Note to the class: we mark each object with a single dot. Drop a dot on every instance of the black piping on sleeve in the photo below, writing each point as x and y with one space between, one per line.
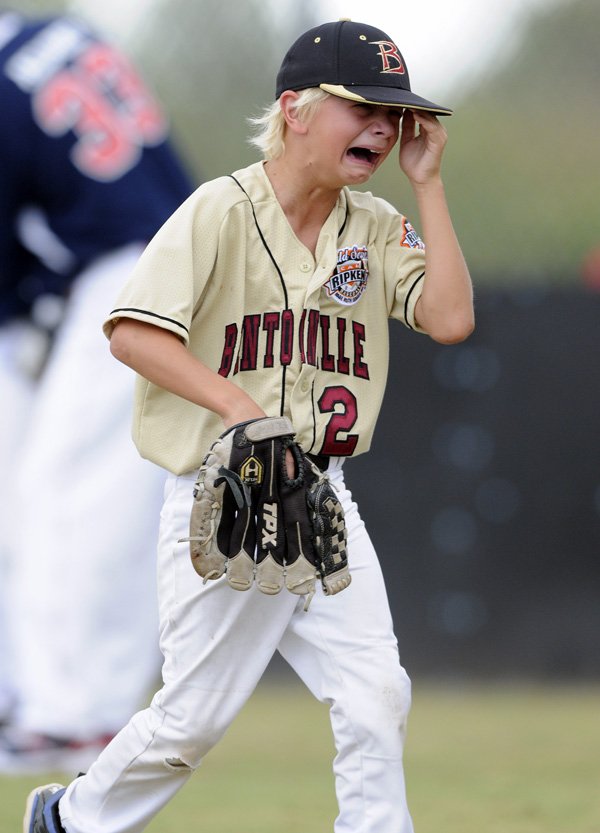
410 291
115 314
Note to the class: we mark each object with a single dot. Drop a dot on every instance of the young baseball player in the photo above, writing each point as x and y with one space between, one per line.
268 294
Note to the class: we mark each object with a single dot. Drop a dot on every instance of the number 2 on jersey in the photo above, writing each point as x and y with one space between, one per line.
341 404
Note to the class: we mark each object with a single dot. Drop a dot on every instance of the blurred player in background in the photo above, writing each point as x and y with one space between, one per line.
87 176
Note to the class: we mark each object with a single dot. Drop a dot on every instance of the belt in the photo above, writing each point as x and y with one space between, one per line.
321 461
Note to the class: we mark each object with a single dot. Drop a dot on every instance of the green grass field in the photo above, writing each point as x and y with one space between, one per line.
479 759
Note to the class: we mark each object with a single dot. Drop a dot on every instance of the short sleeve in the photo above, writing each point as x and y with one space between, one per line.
171 275
404 267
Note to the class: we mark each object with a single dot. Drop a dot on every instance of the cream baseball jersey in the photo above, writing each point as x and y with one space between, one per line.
304 336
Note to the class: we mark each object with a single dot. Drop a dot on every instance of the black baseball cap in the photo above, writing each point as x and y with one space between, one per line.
354 61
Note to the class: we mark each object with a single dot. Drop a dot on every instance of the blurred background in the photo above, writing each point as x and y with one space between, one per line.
482 491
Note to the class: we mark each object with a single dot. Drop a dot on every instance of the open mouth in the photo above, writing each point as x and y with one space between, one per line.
364 155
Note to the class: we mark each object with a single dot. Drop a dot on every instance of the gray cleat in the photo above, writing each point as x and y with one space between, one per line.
41 813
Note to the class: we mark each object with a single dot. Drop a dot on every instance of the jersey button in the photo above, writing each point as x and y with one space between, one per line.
306 267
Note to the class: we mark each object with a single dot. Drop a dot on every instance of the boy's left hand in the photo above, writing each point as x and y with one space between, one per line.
421 152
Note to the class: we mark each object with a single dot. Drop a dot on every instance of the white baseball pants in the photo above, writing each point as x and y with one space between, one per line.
217 643
16 398
82 529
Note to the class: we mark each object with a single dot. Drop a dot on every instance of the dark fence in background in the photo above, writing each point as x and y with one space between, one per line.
482 490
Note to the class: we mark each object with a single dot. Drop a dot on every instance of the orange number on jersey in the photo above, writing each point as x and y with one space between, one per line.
103 101
341 403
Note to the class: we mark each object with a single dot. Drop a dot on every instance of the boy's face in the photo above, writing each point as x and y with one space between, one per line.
349 140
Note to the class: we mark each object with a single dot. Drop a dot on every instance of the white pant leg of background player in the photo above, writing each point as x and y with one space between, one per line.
217 643
85 592
17 391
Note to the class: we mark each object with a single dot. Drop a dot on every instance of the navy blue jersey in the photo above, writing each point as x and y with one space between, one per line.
85 164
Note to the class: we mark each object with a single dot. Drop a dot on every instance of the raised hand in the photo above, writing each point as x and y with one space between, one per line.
421 150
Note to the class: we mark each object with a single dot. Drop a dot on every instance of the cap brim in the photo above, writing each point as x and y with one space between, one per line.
386 97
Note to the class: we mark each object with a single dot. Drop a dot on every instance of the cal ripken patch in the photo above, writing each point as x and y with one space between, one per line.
410 239
349 280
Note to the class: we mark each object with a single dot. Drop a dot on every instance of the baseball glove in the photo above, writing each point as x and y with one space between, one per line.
252 522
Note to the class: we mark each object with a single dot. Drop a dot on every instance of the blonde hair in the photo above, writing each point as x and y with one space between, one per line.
269 128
